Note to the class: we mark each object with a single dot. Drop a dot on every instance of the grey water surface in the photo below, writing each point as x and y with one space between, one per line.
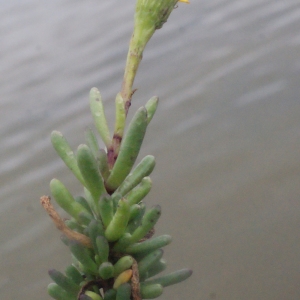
226 136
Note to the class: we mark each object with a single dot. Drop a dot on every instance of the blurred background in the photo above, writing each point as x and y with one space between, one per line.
226 136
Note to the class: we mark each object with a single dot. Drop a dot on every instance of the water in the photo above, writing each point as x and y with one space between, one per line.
226 136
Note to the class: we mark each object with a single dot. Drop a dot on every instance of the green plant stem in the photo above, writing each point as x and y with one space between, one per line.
123 100
139 39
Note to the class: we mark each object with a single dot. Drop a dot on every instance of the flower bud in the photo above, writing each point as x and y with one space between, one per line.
153 13
150 15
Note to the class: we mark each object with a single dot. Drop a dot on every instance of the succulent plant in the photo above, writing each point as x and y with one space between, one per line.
110 233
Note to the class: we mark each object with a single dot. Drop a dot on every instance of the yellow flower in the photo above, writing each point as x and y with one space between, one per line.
185 1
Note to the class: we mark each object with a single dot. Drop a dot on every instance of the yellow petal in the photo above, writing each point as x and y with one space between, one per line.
185 1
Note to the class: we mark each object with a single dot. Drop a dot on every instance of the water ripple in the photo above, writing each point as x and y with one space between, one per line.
227 73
